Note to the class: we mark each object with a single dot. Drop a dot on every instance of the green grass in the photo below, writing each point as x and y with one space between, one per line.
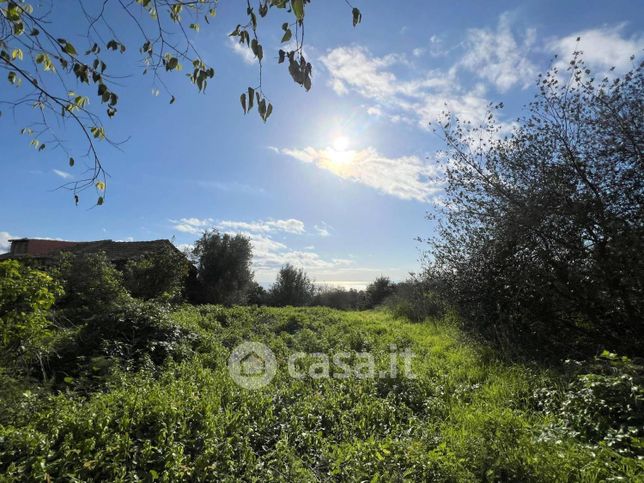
466 417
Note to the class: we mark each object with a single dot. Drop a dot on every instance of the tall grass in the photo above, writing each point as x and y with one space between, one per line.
465 417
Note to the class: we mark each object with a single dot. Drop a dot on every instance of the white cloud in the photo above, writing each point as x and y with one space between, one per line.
499 57
323 229
405 177
602 48
291 225
420 99
193 226
62 174
418 52
242 51
5 244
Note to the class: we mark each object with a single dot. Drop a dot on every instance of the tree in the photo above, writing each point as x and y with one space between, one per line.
339 298
292 287
44 56
92 284
26 295
224 273
541 240
160 275
378 290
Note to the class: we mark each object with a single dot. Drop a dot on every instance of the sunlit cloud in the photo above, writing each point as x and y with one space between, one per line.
405 177
602 48
291 225
242 51
419 99
194 226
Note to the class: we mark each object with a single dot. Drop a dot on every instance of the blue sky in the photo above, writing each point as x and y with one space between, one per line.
340 179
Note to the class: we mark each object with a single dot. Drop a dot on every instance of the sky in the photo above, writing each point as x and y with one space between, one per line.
340 180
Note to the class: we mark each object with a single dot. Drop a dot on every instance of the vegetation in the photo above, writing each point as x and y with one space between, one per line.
91 284
543 229
161 275
378 291
41 58
465 417
26 297
292 287
224 273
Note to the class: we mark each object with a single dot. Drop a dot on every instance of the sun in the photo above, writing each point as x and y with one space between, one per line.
338 154
341 143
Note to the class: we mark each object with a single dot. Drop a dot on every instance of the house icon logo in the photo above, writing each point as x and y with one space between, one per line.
252 365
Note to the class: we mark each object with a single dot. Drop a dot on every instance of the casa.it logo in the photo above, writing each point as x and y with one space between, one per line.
252 365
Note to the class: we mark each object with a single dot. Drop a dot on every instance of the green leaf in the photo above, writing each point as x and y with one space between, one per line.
69 380
242 99
69 48
100 201
298 9
357 16
287 36
71 161
251 98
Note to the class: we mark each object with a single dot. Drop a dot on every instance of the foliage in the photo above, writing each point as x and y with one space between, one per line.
92 284
603 404
466 417
42 57
129 335
26 296
224 268
339 298
378 290
161 275
292 287
542 233
413 299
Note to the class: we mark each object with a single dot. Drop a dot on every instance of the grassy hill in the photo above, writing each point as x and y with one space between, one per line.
465 417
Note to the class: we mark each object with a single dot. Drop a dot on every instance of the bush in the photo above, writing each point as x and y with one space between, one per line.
92 284
339 298
414 300
26 297
543 230
128 335
160 276
603 405
378 291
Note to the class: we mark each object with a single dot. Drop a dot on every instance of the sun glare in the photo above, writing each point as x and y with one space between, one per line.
338 154
341 143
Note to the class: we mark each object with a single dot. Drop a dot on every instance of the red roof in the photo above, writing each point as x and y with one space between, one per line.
39 248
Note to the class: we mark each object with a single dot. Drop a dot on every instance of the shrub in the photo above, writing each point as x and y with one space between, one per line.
377 291
414 300
339 298
603 404
161 275
541 241
26 297
129 335
92 284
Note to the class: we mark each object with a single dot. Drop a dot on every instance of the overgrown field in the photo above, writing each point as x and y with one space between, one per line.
465 417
